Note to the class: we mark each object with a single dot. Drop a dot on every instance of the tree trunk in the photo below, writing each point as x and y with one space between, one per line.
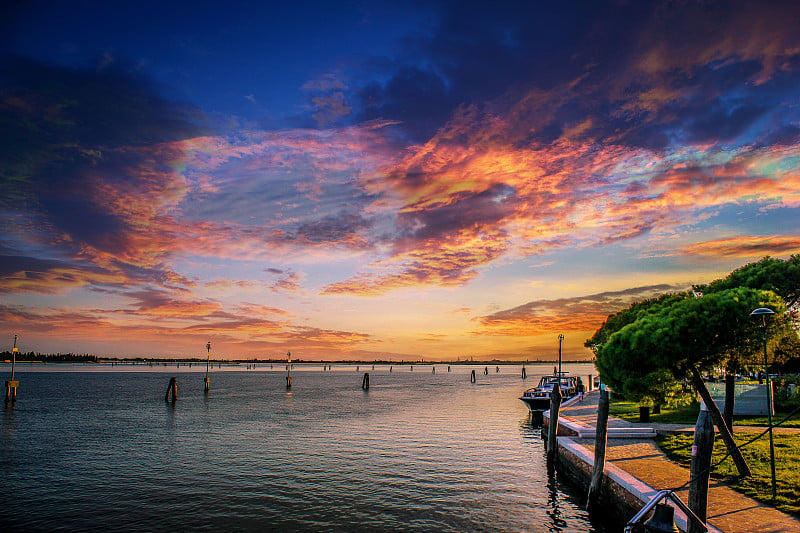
724 430
730 392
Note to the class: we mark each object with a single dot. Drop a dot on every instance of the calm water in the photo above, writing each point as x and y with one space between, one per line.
101 450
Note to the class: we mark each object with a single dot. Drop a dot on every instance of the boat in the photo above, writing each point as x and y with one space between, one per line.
538 398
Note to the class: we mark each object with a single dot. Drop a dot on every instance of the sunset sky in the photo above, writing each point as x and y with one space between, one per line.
396 180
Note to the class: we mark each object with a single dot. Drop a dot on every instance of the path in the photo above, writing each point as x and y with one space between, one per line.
728 510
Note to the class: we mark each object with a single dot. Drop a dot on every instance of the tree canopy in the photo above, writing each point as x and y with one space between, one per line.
674 333
777 275
707 327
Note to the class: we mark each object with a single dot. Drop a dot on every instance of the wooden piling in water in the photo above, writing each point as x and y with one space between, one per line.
365 381
472 376
524 373
702 449
552 426
172 390
207 380
12 384
288 370
600 441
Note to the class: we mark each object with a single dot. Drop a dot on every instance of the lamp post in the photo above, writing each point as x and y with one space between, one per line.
764 312
560 342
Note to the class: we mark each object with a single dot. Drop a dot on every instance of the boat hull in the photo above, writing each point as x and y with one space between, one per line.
537 404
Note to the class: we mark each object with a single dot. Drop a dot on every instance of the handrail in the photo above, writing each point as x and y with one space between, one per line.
660 495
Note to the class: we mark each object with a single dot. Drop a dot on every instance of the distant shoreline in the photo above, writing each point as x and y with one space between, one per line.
161 361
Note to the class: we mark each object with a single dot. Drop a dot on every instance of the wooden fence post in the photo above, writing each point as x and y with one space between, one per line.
702 448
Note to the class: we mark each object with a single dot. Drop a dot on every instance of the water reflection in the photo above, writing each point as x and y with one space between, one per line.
557 522
420 452
9 432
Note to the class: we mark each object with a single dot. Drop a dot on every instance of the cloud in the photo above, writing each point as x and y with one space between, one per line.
581 313
287 282
633 137
89 153
247 334
745 246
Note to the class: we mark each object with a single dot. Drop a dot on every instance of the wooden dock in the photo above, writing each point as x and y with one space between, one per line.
641 465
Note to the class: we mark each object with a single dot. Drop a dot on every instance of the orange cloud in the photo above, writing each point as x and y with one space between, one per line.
744 247
582 313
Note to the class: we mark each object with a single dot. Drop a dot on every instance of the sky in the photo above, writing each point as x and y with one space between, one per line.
433 180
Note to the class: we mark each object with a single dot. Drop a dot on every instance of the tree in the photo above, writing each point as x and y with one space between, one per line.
619 320
685 336
777 275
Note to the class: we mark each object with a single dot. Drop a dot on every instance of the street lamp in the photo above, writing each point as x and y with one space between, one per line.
764 312
560 342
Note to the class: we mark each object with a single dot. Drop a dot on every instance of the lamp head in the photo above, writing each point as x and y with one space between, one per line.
762 311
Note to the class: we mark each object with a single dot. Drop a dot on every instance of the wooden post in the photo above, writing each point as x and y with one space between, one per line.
552 425
172 389
524 373
288 370
702 448
590 386
600 440
207 380
12 384
365 381
472 376
724 430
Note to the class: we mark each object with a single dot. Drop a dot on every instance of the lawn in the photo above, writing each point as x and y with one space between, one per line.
630 411
688 415
758 486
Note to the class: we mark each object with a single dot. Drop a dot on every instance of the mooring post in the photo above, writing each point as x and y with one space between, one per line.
207 380
365 381
600 440
448 369
12 384
472 376
552 425
524 373
288 370
433 370
172 389
702 448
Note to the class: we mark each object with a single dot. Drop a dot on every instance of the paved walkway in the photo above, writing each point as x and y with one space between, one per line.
728 510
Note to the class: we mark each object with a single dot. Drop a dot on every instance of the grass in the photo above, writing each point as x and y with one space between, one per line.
630 411
688 415
757 486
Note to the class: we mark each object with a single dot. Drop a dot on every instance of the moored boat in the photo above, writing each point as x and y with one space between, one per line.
538 398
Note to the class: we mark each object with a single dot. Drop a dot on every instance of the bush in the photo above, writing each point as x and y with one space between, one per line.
787 392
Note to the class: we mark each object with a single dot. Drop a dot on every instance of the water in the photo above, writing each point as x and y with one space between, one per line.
101 450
